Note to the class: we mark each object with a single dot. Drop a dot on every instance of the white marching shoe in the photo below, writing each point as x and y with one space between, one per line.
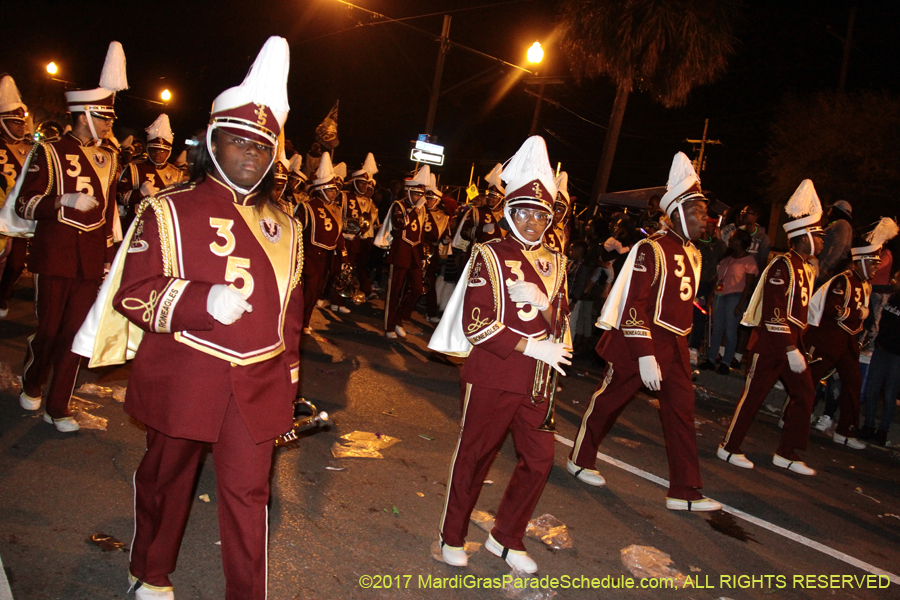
850 442
702 505
145 591
453 556
518 559
29 403
797 466
738 460
588 476
400 331
390 335
65 425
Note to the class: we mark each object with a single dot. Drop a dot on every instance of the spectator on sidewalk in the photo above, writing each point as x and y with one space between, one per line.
760 245
884 371
578 275
734 282
711 249
836 245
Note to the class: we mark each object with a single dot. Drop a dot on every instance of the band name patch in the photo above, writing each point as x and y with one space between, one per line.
636 333
777 328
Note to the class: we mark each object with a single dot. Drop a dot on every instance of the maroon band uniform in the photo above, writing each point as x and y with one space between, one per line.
196 381
135 174
405 258
323 248
496 385
68 253
835 342
12 156
435 236
656 320
787 289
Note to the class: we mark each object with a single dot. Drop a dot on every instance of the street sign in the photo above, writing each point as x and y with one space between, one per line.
430 148
426 157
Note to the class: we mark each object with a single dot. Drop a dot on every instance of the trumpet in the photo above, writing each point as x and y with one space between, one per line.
545 376
316 419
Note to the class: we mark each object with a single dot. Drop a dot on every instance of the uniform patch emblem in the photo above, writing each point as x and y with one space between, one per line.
477 281
138 246
100 159
543 266
22 151
270 229
776 281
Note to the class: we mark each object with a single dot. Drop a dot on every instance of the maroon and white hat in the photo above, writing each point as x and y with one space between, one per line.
99 101
257 108
368 170
869 247
11 106
420 181
325 177
529 177
296 167
804 210
683 185
494 179
159 134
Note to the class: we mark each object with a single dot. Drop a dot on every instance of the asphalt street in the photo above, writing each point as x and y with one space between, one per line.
364 527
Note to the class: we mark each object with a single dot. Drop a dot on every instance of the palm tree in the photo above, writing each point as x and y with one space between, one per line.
664 47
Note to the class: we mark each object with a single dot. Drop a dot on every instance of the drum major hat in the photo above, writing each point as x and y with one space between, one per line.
368 170
99 101
420 181
325 177
804 211
11 106
159 134
683 185
528 176
869 247
296 167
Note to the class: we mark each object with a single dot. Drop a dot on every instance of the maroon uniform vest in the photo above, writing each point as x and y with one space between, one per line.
323 223
12 155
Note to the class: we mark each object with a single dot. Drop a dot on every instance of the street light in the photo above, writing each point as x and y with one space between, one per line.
535 53
52 68
166 95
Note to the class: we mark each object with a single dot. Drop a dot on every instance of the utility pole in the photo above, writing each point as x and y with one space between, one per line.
700 161
541 82
438 73
848 42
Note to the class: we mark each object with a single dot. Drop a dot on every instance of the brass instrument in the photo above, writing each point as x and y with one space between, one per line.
347 285
316 419
545 376
352 226
427 255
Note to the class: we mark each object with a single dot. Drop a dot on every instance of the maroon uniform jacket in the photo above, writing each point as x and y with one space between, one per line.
188 364
12 156
435 228
494 324
481 225
844 309
407 225
322 223
659 301
361 208
137 173
778 308
69 243
557 239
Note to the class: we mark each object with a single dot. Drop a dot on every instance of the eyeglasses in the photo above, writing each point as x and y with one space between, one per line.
523 215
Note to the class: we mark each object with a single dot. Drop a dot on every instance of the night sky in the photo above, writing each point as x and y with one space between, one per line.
382 75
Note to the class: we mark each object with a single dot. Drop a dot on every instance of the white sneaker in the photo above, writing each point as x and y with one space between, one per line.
145 591
848 441
390 335
588 476
400 331
334 307
823 423
3 312
453 556
701 505
797 466
738 460
321 304
65 425
307 331
517 559
433 319
29 403
343 310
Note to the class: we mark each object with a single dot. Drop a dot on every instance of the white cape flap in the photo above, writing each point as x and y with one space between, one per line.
449 337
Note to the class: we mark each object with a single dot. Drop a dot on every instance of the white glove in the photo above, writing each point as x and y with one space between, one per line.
78 201
796 360
148 189
650 374
523 291
226 305
552 353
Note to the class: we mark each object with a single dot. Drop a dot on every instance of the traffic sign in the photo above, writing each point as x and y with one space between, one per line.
426 157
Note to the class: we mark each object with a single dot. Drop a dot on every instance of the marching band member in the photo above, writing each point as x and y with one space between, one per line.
436 241
211 273
558 236
145 176
778 313
407 219
504 309
14 149
480 223
649 314
836 315
359 218
70 190
282 168
323 244
297 182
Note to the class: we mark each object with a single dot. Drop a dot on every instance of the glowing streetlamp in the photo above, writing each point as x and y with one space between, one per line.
166 95
52 68
535 53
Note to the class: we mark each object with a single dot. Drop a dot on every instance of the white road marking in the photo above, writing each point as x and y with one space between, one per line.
864 566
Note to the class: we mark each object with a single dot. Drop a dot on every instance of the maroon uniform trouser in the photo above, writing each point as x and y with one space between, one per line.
316 267
15 264
163 486
841 352
765 369
362 264
487 415
676 411
62 304
404 290
431 303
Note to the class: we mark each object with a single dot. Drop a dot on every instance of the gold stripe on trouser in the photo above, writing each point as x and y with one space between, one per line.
583 429
29 340
387 297
462 426
750 372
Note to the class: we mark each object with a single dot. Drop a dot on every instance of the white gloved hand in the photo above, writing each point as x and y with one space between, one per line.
550 352
650 374
226 305
796 360
523 291
78 201
148 189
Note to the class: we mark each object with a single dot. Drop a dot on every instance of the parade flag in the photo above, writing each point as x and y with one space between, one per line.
326 132
471 192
